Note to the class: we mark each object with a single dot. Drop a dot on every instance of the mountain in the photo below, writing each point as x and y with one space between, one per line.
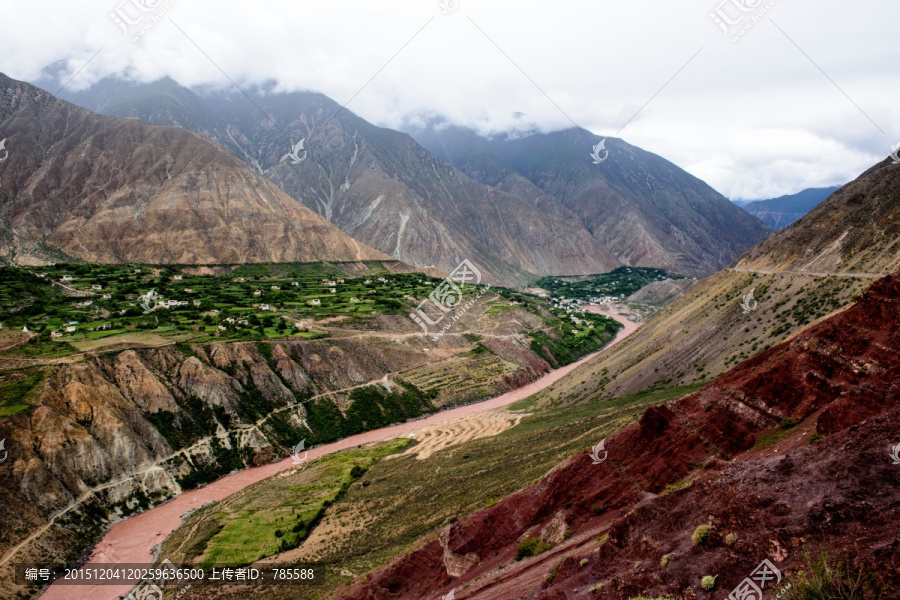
784 210
856 229
646 210
786 458
377 185
102 189
813 268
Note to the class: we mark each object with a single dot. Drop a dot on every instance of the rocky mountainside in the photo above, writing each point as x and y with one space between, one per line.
103 189
782 211
107 434
856 229
646 210
783 458
804 272
377 185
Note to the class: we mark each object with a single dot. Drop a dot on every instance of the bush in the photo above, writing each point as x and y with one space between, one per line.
532 547
664 561
827 577
731 539
708 582
701 534
789 423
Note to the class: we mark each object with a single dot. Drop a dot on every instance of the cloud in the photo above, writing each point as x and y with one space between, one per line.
756 118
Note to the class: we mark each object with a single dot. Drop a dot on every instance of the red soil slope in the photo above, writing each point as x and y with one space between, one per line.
839 492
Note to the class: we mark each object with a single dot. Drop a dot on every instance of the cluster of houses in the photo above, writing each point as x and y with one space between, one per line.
606 299
567 304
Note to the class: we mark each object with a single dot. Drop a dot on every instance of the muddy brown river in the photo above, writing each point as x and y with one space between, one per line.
131 541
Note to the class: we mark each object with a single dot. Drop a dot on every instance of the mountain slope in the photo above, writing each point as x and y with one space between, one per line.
784 210
111 190
376 184
816 266
856 229
625 527
646 210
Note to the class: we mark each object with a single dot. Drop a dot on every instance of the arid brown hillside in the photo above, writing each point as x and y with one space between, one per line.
856 229
377 185
646 210
818 265
738 456
103 189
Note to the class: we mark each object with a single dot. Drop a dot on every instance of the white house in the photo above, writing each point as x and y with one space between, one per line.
197 302
333 290
354 299
264 307
176 277
107 296
68 278
314 302
70 329
55 334
257 293
294 283
275 287
96 287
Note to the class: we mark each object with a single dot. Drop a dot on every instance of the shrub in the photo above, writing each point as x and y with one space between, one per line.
701 534
708 582
731 538
826 577
664 561
583 562
532 547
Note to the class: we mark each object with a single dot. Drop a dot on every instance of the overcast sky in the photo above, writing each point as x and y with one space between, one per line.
808 96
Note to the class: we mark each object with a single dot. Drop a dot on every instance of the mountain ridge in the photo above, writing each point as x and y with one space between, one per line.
104 189
645 209
376 184
784 210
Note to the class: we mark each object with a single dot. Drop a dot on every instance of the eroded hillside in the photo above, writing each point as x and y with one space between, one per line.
784 457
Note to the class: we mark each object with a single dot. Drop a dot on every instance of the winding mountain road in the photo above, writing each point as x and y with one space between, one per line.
810 273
